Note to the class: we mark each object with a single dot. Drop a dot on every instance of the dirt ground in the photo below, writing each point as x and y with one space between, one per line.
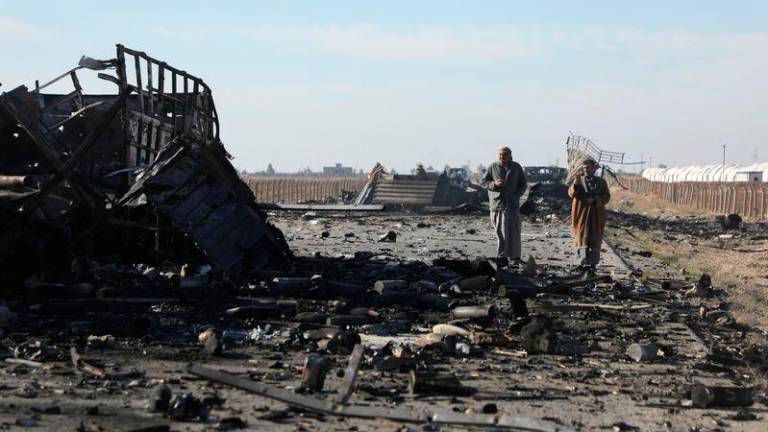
682 238
588 384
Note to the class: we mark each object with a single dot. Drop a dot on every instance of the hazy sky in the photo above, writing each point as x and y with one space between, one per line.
315 82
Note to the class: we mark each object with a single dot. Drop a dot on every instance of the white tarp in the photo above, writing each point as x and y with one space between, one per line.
708 173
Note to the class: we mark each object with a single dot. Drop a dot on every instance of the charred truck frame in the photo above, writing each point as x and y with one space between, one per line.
143 168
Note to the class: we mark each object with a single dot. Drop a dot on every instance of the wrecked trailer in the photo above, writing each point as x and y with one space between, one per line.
72 163
419 191
545 174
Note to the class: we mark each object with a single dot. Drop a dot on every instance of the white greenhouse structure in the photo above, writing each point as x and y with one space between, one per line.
709 173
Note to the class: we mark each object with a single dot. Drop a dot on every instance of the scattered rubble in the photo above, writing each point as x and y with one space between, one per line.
345 329
547 200
428 190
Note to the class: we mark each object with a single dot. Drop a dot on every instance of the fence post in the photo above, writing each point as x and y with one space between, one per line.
275 186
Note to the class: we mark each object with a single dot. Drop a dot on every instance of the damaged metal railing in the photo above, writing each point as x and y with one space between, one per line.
161 115
581 148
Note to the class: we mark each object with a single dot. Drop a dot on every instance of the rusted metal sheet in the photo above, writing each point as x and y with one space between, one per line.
405 189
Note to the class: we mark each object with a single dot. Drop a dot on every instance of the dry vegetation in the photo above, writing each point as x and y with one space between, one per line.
736 264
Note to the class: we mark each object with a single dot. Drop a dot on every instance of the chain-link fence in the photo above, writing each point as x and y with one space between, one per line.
749 199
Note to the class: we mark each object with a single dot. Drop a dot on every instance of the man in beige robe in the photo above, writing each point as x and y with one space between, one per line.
590 194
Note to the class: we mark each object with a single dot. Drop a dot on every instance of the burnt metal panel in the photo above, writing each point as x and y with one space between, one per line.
431 190
404 189
197 188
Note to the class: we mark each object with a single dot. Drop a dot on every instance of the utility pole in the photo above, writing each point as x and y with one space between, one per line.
722 174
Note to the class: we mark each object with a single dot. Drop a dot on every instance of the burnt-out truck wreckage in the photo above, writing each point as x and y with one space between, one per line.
141 174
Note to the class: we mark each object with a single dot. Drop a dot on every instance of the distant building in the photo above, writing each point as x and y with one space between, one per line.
338 170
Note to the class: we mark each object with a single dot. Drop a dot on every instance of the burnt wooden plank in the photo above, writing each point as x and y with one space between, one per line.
399 414
174 106
66 168
151 128
350 374
140 122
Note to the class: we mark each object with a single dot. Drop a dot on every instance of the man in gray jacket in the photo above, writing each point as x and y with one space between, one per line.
506 183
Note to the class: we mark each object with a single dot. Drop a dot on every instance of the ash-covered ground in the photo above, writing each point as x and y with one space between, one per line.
577 373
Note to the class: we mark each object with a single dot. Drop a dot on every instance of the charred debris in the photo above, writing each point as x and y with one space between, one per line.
140 175
453 191
448 190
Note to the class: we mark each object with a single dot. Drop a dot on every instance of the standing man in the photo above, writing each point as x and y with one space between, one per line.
590 194
506 183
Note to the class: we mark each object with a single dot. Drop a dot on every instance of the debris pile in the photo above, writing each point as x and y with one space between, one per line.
693 227
141 176
547 200
420 191
545 174
370 336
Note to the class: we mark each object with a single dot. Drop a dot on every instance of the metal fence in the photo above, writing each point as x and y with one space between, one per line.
292 190
174 102
749 199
